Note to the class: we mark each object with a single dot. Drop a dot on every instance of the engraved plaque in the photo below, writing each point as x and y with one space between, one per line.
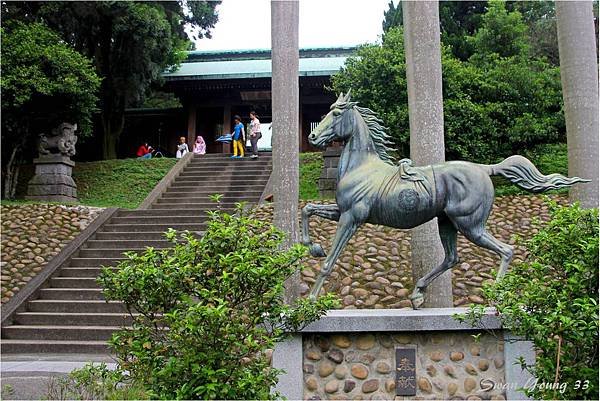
406 371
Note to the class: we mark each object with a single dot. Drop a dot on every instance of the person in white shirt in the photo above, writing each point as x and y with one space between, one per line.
182 148
255 133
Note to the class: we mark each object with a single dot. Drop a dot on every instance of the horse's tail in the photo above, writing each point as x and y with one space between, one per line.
522 172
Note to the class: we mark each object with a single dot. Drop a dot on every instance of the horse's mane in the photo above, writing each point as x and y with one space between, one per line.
377 130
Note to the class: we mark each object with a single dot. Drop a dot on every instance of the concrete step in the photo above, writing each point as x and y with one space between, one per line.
132 243
217 171
151 227
108 253
94 262
216 188
73 319
233 193
218 163
80 271
166 220
10 346
125 235
197 206
73 282
205 200
63 333
75 294
225 176
71 306
197 180
158 213
224 156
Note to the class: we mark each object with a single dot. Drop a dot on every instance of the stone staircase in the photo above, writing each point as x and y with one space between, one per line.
68 312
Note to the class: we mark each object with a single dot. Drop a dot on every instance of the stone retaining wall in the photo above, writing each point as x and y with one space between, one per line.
34 233
374 270
362 366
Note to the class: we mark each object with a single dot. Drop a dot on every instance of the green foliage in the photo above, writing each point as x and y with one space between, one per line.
207 310
121 183
44 81
110 183
458 19
311 165
497 103
502 32
552 300
94 382
130 44
161 100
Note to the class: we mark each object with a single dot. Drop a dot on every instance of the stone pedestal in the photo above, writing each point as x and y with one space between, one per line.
328 178
52 180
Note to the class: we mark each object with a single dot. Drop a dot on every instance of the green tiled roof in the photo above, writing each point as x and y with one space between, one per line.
235 64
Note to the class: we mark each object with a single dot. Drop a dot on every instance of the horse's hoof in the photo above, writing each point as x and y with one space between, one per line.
317 251
417 299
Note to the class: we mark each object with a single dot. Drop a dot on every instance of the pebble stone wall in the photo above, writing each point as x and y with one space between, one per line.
31 235
362 366
374 270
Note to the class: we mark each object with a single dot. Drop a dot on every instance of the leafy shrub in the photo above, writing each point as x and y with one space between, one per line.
208 310
95 382
311 164
552 300
497 103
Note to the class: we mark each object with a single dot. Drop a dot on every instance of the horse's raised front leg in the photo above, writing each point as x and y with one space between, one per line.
330 212
347 226
447 233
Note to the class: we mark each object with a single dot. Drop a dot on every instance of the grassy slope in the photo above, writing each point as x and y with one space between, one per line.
310 171
119 183
551 158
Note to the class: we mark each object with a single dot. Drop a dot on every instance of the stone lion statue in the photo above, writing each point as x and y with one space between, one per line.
61 140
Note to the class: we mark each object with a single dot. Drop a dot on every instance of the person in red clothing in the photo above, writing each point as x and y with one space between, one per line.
144 151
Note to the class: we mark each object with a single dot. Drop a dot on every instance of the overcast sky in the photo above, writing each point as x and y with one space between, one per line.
246 24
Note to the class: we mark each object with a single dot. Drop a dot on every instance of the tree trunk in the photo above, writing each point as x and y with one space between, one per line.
426 119
10 179
285 109
579 77
112 126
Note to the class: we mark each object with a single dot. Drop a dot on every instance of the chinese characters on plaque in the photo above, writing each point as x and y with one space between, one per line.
406 368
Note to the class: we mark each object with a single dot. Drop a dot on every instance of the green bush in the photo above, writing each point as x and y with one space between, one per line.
94 382
552 300
499 102
311 164
208 310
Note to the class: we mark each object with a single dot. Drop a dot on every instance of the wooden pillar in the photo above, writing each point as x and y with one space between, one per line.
579 77
426 119
226 147
191 126
300 130
286 109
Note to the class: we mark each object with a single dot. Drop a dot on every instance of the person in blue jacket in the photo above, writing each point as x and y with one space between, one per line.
238 138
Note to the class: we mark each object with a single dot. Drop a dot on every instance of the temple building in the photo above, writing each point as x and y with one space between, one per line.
213 86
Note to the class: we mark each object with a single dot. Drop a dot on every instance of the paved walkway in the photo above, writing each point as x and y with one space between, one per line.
27 376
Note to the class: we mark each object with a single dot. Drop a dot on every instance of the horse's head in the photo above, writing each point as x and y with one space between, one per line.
337 125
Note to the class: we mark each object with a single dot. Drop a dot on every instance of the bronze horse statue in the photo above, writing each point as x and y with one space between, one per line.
372 188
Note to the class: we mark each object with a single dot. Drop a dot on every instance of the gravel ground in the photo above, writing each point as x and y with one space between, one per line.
374 270
31 235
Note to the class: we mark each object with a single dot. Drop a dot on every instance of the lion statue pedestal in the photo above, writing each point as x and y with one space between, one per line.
53 168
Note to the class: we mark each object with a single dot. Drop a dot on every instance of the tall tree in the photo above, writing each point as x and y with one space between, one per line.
457 20
579 76
130 44
44 82
426 118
